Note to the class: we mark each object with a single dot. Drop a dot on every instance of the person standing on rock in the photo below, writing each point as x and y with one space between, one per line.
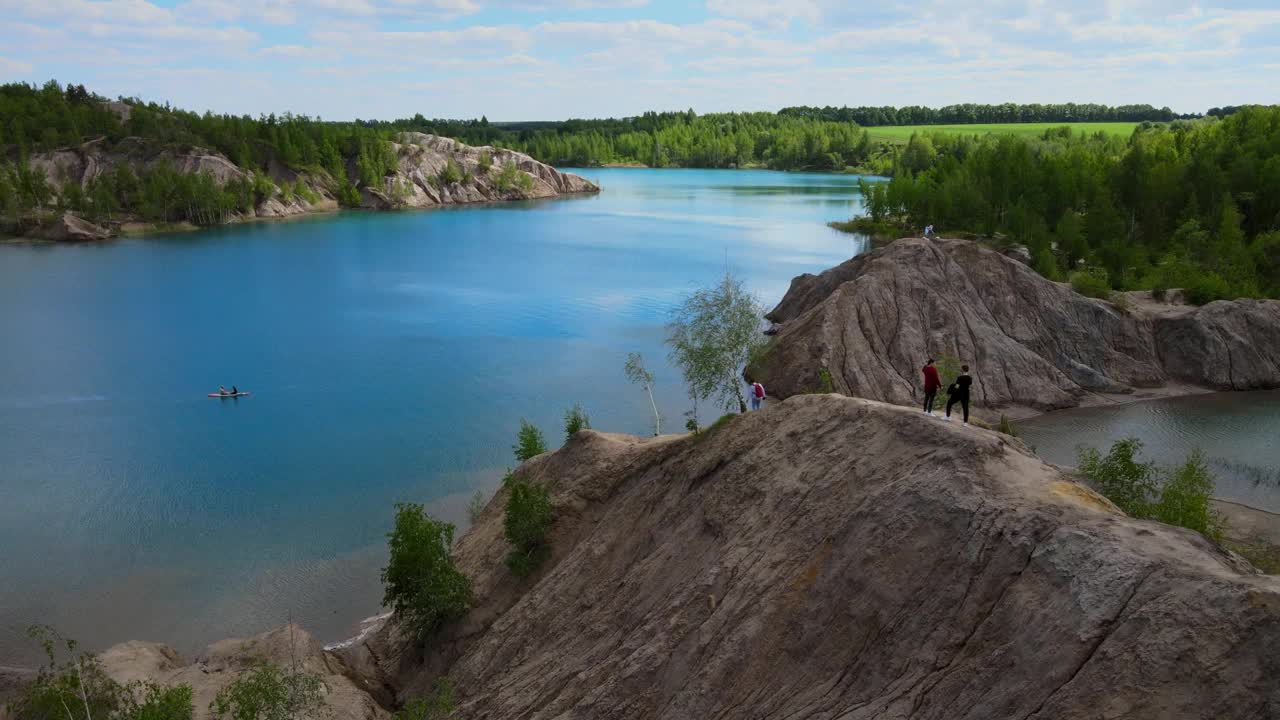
931 385
757 395
959 393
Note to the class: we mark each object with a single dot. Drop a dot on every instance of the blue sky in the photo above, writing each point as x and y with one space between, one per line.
551 59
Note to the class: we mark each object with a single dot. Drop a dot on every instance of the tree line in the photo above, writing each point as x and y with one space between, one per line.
1192 205
970 113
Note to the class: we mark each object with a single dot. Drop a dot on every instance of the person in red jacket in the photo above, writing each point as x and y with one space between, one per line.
931 384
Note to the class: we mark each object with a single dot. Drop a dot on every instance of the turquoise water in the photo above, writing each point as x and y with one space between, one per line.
390 357
1237 432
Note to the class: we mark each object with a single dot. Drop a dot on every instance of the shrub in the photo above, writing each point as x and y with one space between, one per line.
485 163
825 385
1184 499
451 173
512 177
301 190
527 520
77 687
529 442
348 196
1006 427
575 419
1206 288
1120 477
268 693
438 704
1179 496
476 507
1090 285
1159 292
421 583
263 188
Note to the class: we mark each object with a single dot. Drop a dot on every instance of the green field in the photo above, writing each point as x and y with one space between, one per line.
902 133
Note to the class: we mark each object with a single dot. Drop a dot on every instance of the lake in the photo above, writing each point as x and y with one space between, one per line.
391 357
1237 432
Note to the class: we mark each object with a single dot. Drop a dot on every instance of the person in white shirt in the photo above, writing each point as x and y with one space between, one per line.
757 395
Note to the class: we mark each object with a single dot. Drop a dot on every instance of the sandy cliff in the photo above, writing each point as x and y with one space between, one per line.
1032 343
832 557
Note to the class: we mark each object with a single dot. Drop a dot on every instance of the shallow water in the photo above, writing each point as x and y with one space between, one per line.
390 356
1237 431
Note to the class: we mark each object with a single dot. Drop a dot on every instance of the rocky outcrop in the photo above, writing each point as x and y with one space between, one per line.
1033 344
831 557
419 178
223 662
69 228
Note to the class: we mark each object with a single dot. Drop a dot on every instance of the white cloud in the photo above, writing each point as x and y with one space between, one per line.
772 13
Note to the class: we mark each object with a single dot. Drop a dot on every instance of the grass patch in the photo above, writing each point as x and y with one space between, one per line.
902 133
1261 555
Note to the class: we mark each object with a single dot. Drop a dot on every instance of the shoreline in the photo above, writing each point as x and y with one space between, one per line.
135 230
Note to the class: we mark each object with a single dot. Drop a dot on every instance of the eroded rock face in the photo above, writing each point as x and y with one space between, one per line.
830 557
414 184
69 228
422 158
1032 343
227 660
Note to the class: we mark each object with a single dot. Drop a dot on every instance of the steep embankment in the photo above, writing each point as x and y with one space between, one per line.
832 557
418 180
1033 343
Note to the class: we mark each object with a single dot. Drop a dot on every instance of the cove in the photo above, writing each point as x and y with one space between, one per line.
390 356
1237 432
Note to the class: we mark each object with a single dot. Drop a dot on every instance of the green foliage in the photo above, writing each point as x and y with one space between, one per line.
475 507
1205 289
529 442
637 374
485 162
1091 284
527 520
348 196
421 582
451 173
512 178
1178 496
948 367
713 335
268 693
1006 427
73 686
1184 499
575 419
825 384
1172 206
437 705
721 423
1120 477
301 190
1261 554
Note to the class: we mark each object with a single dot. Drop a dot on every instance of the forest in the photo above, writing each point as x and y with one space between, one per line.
1191 205
971 114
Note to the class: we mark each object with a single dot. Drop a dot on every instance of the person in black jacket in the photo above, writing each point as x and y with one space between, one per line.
959 393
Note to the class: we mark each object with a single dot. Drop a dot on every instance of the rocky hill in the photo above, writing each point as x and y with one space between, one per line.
419 180
826 557
830 557
1033 344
